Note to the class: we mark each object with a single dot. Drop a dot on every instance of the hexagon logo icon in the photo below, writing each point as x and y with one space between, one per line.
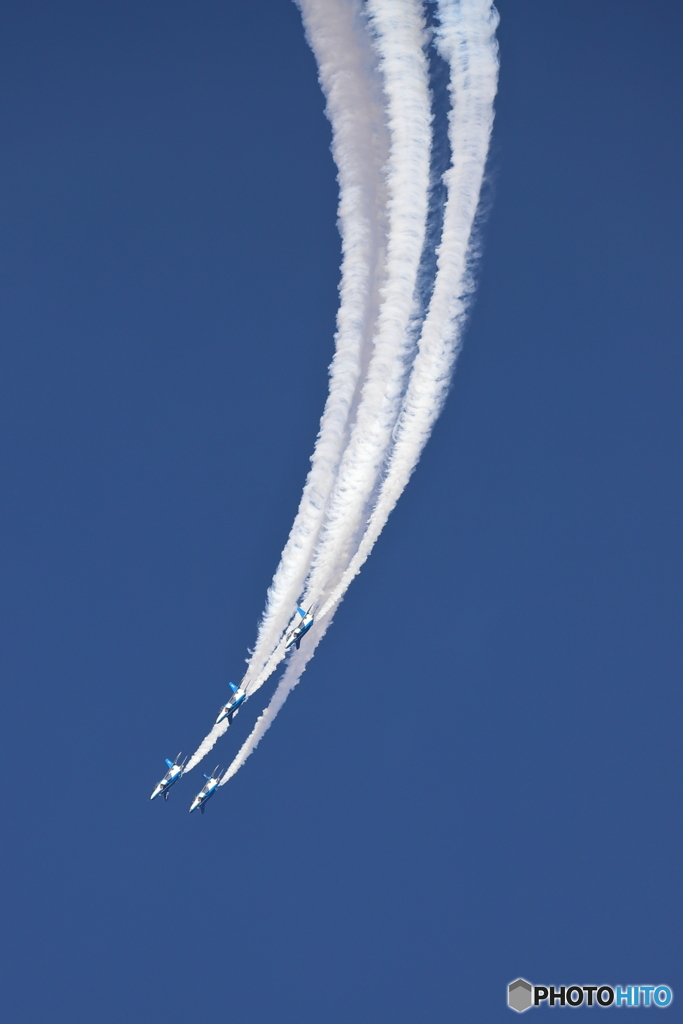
519 995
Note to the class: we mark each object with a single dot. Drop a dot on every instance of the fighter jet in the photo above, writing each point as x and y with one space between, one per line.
175 770
207 791
230 709
296 635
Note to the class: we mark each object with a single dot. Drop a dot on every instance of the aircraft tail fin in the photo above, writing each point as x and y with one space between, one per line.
232 687
169 763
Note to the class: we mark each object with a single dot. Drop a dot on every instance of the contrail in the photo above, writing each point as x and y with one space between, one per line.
295 668
349 75
399 38
351 82
351 471
385 391
466 39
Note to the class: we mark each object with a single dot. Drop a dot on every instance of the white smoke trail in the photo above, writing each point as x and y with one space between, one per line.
399 39
295 668
337 33
399 29
466 39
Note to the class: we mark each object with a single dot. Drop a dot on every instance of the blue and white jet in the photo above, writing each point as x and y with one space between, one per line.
296 635
175 770
207 790
230 709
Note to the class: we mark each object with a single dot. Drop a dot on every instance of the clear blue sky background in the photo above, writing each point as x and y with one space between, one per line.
479 775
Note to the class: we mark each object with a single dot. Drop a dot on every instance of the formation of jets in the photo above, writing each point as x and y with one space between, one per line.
176 768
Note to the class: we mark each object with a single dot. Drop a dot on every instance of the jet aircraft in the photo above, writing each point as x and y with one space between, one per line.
296 635
175 770
230 709
207 791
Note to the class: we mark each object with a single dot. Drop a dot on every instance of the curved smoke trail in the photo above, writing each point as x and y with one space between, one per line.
466 40
399 38
347 463
350 80
347 67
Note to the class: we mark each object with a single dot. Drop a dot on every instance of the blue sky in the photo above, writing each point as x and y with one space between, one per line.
478 776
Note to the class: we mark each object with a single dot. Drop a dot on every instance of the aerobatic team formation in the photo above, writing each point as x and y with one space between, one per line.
411 158
226 714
